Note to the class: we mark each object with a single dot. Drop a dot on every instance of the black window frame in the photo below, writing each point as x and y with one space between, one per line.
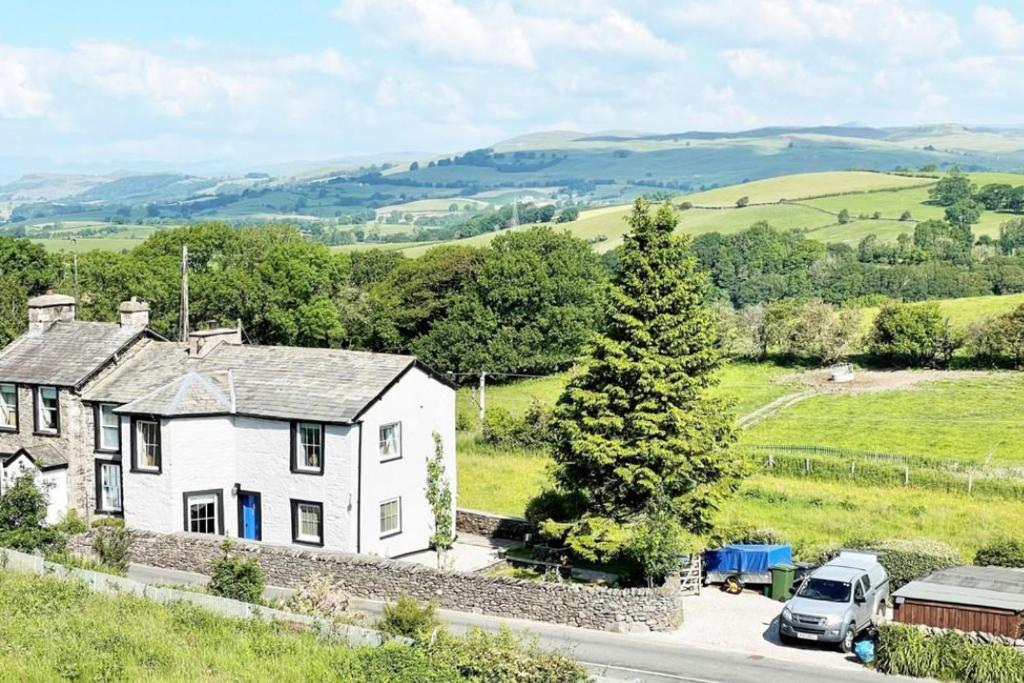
259 513
397 532
295 502
98 469
219 494
97 431
135 446
294 464
36 431
401 450
17 410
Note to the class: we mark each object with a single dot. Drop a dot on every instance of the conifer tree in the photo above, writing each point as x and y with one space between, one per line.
638 432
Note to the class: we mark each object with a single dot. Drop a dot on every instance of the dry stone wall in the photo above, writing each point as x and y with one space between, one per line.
626 610
491 526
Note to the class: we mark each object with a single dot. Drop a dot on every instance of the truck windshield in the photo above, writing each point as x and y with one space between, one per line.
823 589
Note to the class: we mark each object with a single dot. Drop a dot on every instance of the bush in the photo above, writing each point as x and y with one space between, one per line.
904 560
531 431
908 651
71 524
107 522
408 618
113 546
1005 553
23 518
236 578
504 657
394 663
655 547
912 335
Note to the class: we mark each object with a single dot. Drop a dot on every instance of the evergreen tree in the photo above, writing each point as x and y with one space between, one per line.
637 431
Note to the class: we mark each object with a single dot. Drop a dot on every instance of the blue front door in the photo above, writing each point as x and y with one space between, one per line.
250 517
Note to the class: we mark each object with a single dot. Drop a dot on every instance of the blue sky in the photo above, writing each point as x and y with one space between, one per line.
245 84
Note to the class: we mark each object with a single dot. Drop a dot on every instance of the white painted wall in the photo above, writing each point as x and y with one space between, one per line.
217 452
53 483
423 405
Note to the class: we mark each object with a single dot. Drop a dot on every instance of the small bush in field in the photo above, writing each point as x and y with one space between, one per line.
1005 553
236 578
113 546
406 617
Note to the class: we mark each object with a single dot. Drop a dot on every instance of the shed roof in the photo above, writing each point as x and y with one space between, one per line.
45 456
323 385
994 587
65 354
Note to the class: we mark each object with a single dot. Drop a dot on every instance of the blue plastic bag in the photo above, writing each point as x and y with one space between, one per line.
865 650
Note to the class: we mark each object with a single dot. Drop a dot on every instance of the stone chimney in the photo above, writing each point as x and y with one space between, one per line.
48 308
134 313
202 342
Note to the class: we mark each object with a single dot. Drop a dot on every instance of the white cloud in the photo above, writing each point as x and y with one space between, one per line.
498 34
23 92
892 28
444 27
327 62
999 26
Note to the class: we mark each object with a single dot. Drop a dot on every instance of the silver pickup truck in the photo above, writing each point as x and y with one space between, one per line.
837 601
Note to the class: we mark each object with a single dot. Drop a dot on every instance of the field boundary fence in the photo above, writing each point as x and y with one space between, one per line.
824 463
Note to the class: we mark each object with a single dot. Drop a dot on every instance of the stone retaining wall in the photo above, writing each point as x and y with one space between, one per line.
492 526
976 637
628 609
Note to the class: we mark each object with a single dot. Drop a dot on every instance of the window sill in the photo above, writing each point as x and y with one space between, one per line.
109 513
140 470
309 473
314 544
38 433
8 430
391 535
107 451
391 459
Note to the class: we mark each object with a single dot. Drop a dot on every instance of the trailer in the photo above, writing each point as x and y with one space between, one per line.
741 564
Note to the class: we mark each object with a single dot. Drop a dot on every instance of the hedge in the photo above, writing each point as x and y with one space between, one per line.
909 651
1005 553
903 560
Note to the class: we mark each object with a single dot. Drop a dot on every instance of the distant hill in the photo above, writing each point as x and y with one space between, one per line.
561 167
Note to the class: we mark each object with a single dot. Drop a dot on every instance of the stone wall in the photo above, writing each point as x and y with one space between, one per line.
976 637
491 526
361 576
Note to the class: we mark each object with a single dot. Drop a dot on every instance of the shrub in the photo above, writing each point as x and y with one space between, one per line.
531 431
107 522
408 618
912 334
908 651
742 201
655 546
236 578
1004 553
904 560
504 656
395 663
113 546
71 524
23 518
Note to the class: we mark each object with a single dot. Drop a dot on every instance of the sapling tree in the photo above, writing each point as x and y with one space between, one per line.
439 497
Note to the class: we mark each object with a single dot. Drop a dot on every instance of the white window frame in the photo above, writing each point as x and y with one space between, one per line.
203 498
41 409
114 503
318 538
8 408
385 533
103 426
384 455
140 445
301 454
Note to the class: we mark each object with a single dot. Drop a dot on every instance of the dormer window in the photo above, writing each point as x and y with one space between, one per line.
8 407
47 410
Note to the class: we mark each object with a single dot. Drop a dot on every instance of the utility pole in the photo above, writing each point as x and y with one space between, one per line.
184 331
483 400
74 260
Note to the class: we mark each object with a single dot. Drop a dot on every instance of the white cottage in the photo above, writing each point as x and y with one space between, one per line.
285 445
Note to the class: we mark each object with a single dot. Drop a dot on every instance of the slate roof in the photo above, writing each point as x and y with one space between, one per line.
995 587
322 385
45 456
65 354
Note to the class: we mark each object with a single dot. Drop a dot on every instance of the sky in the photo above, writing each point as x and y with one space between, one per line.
251 83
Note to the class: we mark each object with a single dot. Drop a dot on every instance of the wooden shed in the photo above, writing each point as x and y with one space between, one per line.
985 599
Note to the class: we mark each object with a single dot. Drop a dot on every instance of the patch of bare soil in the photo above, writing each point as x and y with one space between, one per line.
886 380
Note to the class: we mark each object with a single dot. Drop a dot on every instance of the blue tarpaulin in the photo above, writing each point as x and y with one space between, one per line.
747 558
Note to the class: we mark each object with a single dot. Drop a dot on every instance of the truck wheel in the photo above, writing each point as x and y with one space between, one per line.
846 645
733 585
783 638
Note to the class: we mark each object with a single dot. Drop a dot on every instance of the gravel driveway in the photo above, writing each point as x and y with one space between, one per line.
745 623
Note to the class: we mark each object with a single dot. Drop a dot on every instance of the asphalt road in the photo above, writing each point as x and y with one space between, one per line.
617 657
